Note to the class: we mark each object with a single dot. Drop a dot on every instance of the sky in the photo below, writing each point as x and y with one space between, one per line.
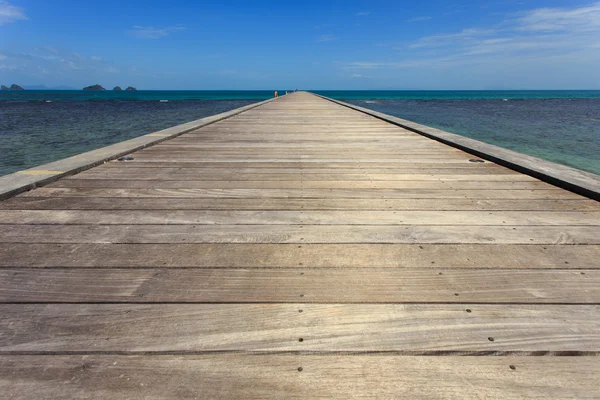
264 44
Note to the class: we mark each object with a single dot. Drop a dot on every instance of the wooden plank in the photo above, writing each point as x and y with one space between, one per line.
358 175
236 168
299 183
371 164
440 234
279 327
189 217
285 285
277 376
229 255
393 149
285 159
133 203
308 193
305 160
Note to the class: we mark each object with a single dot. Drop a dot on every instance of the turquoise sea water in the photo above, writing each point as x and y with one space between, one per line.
42 126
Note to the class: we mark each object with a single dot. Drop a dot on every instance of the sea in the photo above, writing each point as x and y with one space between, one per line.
38 127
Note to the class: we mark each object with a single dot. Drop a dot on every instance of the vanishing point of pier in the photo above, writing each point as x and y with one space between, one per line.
299 248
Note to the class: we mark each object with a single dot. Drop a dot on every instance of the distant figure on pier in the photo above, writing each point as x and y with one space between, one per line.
276 94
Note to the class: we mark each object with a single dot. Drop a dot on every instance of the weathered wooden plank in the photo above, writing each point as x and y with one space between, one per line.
298 183
563 235
357 175
297 376
399 149
275 146
309 193
260 158
297 164
189 217
133 203
227 255
237 168
279 327
431 285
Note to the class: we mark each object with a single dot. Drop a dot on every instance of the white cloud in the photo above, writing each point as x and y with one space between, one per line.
326 38
58 64
50 49
363 13
418 19
149 32
451 38
10 13
582 19
3 57
544 34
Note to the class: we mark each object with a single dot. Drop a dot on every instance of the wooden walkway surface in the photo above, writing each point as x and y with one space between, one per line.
300 249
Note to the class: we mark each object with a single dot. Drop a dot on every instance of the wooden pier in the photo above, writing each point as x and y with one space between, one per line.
299 249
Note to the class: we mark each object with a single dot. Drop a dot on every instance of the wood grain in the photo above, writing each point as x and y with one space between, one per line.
163 217
373 193
277 376
225 255
167 285
137 203
453 234
279 327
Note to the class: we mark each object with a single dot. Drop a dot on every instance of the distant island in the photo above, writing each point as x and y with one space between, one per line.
115 89
94 87
12 87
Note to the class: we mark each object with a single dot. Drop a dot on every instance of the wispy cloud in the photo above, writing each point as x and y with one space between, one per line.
418 19
359 76
452 38
323 26
10 13
582 19
58 62
542 34
326 38
50 49
363 13
149 32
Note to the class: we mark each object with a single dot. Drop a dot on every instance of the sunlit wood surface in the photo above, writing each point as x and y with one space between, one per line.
299 250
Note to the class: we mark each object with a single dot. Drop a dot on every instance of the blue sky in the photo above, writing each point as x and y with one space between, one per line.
159 44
